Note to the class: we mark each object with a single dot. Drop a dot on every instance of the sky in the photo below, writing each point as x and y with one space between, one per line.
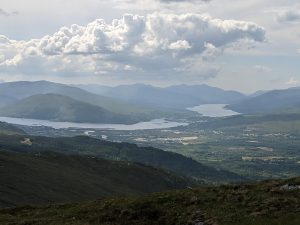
244 45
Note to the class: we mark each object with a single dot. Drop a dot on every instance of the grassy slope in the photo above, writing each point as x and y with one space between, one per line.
260 204
61 108
53 177
8 129
121 151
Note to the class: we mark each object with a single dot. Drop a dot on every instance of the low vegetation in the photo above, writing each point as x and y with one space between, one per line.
266 203
84 145
48 177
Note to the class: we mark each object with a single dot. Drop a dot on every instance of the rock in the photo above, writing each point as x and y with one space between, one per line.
288 187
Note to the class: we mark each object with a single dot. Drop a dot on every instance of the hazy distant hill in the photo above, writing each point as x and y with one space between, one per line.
145 95
61 108
208 94
257 93
181 96
23 89
83 145
271 102
53 177
5 100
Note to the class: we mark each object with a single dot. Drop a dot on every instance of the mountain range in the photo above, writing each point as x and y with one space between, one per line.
180 96
123 104
276 101
12 92
129 104
55 107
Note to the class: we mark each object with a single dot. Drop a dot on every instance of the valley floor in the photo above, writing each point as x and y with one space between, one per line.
257 147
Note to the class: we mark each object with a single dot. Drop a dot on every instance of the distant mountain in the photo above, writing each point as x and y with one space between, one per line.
23 89
5 100
61 108
257 93
181 96
208 94
276 101
47 177
83 145
146 95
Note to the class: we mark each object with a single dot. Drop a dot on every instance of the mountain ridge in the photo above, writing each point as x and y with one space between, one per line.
177 96
23 89
272 101
61 108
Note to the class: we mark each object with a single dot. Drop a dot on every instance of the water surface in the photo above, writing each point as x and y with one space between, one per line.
213 110
153 124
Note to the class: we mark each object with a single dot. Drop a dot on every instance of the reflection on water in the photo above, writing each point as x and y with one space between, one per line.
153 124
213 110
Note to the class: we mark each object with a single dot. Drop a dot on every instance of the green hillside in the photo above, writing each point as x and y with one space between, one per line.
24 89
267 203
61 108
52 177
83 145
9 129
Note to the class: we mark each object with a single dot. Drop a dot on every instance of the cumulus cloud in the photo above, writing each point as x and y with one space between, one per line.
288 16
153 44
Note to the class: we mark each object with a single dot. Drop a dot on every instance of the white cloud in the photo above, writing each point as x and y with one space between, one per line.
180 45
211 52
149 45
288 16
292 81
